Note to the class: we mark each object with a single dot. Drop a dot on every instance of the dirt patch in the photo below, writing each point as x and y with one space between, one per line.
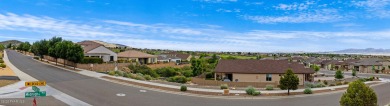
7 82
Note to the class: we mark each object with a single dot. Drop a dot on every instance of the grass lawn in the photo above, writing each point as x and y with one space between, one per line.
238 56
7 82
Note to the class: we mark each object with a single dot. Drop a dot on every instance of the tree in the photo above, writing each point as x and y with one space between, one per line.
53 49
62 48
315 68
339 75
9 46
289 81
2 47
75 54
358 94
354 72
198 66
40 48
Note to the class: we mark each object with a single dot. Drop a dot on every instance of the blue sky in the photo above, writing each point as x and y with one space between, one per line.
206 25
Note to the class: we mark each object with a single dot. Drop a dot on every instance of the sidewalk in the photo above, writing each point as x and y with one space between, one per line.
99 75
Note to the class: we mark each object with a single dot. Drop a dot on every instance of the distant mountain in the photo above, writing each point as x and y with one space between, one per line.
364 51
13 42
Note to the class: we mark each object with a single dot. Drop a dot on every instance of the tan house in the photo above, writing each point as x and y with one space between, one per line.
93 49
137 56
183 57
369 65
260 70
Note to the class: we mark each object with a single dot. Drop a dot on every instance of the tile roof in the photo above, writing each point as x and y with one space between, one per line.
260 67
135 54
89 45
368 62
183 56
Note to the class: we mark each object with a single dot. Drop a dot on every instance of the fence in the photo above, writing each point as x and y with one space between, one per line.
95 67
201 81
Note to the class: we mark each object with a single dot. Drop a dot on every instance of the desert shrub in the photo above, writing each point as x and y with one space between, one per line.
87 60
346 82
111 73
36 58
256 93
148 77
363 79
320 85
120 73
307 91
138 77
309 85
331 85
325 82
269 87
250 90
371 78
183 88
143 69
178 79
224 86
339 83
1 61
2 65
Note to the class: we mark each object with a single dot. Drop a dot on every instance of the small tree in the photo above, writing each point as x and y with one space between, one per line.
354 72
339 75
316 68
289 81
75 54
358 94
2 47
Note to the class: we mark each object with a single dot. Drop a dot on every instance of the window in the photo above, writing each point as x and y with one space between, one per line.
268 77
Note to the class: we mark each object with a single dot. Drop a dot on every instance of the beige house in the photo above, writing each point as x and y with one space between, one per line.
137 56
93 49
369 65
260 70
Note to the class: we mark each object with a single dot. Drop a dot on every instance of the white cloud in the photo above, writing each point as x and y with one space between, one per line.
378 8
16 22
347 25
320 16
294 6
354 41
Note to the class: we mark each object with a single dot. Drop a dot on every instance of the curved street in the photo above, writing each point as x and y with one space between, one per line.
103 93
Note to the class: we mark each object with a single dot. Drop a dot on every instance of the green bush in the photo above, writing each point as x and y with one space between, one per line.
269 87
111 73
320 85
2 65
137 77
1 61
148 77
325 82
250 90
307 91
339 83
224 86
88 60
363 79
183 88
178 79
120 73
309 85
256 93
371 78
331 85
143 69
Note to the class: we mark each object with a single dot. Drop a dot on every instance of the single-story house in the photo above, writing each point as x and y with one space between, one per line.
93 49
183 57
369 65
168 58
137 56
260 70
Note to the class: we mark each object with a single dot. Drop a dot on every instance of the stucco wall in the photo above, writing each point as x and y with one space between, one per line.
262 78
102 49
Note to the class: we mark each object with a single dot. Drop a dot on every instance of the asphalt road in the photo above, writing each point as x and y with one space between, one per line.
102 93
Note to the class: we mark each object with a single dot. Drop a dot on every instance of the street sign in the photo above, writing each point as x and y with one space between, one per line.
35 83
34 94
35 88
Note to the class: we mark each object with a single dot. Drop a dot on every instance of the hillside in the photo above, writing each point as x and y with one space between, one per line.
13 42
